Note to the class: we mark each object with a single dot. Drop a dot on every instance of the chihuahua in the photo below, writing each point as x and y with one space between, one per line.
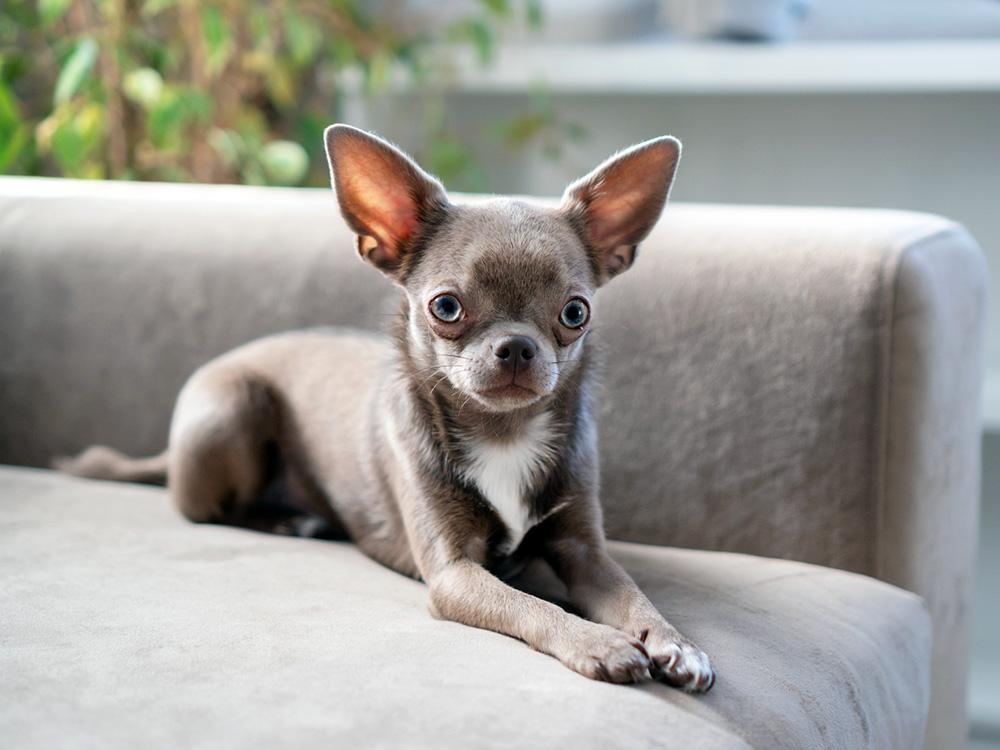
465 452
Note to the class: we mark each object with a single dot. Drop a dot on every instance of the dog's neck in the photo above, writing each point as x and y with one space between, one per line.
511 458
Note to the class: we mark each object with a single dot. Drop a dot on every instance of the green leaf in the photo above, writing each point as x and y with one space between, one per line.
218 39
152 7
9 116
12 67
343 51
143 86
75 70
498 7
68 147
13 131
173 111
303 37
309 128
76 137
11 147
535 15
284 162
197 104
51 11
481 34
165 120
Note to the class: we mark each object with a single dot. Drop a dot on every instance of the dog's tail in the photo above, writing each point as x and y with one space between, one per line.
101 462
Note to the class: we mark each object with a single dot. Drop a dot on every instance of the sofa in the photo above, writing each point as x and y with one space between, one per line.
789 428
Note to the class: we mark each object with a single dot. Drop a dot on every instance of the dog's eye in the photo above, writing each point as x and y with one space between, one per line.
446 308
574 314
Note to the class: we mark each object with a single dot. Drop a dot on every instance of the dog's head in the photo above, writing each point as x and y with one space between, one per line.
500 293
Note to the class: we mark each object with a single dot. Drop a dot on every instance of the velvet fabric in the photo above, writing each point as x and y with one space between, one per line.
125 626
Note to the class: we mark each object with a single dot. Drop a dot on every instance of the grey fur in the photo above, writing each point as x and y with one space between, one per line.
377 439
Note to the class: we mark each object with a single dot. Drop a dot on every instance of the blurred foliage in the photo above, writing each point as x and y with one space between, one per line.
222 90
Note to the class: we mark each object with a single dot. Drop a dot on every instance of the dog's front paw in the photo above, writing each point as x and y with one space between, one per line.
676 661
606 654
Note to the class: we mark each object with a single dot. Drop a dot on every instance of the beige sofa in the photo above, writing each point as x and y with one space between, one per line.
781 384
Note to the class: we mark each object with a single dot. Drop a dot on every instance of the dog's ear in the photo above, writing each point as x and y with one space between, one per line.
384 196
617 204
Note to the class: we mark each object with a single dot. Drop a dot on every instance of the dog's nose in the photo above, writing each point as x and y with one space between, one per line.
516 351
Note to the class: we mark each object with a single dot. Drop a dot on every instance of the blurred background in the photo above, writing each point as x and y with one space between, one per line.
875 103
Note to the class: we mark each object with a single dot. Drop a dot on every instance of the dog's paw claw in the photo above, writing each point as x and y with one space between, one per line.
684 666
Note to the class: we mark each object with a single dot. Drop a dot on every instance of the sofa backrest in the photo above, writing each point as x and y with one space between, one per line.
744 357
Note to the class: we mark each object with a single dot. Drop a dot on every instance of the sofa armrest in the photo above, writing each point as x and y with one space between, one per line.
809 388
931 474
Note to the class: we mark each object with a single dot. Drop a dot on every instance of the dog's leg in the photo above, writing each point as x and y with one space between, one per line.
602 590
466 592
218 438
283 508
226 463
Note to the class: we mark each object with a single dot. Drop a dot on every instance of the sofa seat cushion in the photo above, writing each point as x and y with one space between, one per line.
121 625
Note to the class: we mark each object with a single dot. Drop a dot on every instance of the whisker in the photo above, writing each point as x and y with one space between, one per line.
465 403
430 377
562 361
439 382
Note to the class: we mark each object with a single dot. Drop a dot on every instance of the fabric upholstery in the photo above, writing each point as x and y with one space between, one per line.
125 626
931 461
796 383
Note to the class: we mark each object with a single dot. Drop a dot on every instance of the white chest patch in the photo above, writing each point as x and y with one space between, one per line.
504 472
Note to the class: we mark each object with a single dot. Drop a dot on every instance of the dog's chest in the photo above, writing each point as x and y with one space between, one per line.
505 472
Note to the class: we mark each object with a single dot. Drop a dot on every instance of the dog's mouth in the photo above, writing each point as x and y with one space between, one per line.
508 391
503 390
506 396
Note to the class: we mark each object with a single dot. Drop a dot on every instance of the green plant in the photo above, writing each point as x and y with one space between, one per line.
211 90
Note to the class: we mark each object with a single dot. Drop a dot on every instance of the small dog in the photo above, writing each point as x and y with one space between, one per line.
465 454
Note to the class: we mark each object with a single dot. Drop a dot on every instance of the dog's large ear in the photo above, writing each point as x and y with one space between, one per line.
617 204
384 196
